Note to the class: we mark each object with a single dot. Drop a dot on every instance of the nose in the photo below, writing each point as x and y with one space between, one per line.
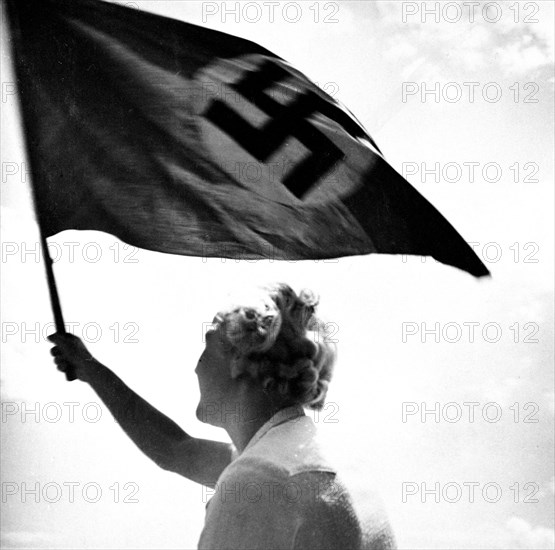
199 363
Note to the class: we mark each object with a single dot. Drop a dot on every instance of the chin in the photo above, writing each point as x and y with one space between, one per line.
207 414
199 413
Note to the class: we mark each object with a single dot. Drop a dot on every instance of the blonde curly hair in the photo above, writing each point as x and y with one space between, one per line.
278 340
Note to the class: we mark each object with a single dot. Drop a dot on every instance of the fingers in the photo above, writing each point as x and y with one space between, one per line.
65 351
58 352
66 344
61 337
61 364
69 353
55 338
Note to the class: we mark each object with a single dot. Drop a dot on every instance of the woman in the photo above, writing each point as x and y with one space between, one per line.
273 488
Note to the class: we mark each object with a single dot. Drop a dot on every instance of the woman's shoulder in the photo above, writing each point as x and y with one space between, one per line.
335 519
283 478
281 469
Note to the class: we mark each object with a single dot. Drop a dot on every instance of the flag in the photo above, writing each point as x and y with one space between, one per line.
180 139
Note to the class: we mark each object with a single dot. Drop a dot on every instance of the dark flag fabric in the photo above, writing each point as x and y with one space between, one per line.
180 139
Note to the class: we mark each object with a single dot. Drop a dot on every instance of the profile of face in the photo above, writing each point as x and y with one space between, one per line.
213 371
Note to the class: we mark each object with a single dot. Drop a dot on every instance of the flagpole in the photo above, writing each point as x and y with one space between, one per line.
51 280
52 287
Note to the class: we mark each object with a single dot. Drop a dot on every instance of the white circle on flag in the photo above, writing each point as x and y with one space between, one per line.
266 178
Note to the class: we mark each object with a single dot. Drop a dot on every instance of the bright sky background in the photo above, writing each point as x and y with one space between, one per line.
363 60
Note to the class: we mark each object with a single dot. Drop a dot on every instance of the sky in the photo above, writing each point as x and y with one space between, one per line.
442 399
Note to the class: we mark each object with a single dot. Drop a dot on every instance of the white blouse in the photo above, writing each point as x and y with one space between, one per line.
280 493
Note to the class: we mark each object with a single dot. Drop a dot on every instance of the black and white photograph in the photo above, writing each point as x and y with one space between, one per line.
277 275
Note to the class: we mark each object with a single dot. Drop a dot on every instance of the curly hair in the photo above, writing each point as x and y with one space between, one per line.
278 340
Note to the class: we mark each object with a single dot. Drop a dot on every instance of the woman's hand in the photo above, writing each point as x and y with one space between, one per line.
71 356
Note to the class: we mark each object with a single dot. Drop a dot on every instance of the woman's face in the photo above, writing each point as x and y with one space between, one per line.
214 376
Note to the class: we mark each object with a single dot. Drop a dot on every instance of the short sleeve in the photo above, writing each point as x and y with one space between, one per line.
329 521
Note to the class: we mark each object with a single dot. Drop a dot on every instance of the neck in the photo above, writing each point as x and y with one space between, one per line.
254 410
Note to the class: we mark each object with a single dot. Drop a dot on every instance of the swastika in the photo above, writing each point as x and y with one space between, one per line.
285 121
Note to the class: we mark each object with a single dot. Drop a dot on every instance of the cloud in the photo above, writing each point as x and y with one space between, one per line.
524 536
519 58
512 49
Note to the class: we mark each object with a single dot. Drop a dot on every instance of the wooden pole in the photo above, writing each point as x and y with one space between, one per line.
52 288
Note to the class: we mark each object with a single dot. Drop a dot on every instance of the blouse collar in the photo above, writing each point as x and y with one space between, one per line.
283 415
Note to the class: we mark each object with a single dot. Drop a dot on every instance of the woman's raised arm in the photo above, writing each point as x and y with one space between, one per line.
159 437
